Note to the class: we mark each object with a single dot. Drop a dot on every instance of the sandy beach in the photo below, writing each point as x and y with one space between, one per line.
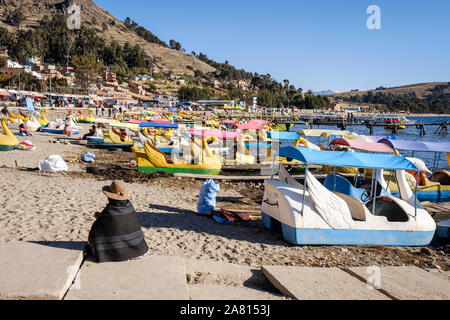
37 206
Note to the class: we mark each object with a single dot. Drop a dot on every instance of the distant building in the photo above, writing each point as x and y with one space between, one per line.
141 78
14 68
109 76
216 103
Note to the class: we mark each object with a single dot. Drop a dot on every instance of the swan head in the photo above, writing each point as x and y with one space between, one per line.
12 120
420 165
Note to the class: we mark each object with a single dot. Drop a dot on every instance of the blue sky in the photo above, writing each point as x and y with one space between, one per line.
316 44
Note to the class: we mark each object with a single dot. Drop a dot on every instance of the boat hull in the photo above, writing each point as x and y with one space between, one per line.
179 170
390 127
56 131
85 122
443 230
434 196
309 236
6 148
146 166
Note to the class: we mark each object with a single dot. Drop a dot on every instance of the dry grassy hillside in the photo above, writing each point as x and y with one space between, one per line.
421 90
35 10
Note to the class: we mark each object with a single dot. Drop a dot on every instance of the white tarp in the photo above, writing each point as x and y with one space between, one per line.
53 164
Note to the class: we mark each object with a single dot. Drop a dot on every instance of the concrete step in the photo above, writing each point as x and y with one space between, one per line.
43 270
211 280
304 283
408 283
151 278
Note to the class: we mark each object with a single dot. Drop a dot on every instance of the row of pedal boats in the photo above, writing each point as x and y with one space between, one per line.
167 147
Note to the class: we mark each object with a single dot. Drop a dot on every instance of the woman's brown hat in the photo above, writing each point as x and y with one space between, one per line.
117 191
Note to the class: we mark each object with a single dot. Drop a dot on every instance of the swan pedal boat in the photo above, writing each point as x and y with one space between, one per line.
43 121
152 160
438 188
311 214
87 120
8 141
111 138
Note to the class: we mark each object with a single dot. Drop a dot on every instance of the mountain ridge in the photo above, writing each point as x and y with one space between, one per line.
94 16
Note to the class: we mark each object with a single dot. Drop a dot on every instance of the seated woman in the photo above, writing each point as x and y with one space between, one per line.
91 133
23 131
68 130
116 235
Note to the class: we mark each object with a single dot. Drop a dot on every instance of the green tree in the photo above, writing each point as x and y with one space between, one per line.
15 17
85 67
3 62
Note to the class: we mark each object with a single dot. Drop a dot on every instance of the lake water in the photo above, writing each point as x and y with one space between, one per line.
410 133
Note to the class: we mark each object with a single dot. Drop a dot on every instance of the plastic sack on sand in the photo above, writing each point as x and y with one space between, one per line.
207 198
88 157
53 164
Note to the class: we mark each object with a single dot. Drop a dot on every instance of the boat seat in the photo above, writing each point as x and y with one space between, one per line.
442 177
357 209
386 207
343 186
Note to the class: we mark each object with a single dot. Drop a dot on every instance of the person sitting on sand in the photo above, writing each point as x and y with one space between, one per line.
91 132
23 131
68 130
116 235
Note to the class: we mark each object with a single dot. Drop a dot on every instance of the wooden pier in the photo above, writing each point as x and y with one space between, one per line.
443 127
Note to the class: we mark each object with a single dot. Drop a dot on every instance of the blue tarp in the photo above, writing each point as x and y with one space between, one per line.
158 125
30 104
348 159
279 135
407 145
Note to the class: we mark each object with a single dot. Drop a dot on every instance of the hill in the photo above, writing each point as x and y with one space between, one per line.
420 90
324 93
95 17
419 98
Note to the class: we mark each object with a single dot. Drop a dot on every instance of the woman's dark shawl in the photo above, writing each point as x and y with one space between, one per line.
116 235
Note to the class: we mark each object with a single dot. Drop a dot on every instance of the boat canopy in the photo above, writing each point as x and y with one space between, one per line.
348 159
324 133
279 135
363 145
158 125
418 146
250 126
215 133
262 122
374 138
131 126
160 120
103 121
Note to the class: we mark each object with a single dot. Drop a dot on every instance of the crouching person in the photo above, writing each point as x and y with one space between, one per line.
116 235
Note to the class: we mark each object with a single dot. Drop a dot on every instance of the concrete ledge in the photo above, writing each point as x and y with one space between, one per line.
304 283
410 283
43 270
229 293
206 272
152 278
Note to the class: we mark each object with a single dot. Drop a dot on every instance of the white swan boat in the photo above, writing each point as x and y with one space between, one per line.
311 214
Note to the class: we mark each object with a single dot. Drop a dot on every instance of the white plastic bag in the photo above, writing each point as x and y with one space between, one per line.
53 164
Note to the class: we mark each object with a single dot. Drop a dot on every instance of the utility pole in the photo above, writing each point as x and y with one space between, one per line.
51 102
